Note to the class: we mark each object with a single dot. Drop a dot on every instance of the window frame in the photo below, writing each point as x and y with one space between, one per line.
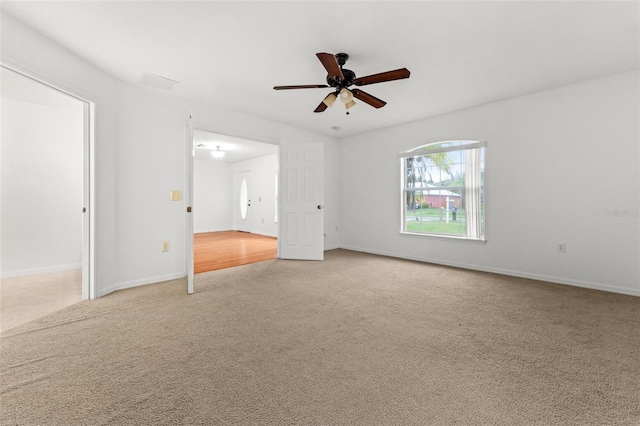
423 150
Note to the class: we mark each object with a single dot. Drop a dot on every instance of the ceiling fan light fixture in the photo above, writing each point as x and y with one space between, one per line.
350 104
346 96
330 99
217 154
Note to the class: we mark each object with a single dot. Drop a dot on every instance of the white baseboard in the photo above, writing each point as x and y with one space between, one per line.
137 283
519 274
38 271
266 234
204 231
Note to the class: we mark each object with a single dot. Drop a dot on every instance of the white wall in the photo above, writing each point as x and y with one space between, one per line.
332 193
212 196
555 161
150 161
139 158
262 171
41 188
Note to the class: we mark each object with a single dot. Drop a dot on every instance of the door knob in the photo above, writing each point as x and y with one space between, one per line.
320 206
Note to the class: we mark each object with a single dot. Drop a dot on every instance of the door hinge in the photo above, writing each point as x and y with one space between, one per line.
189 209
84 210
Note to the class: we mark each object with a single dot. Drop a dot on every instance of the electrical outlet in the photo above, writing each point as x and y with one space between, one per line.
561 248
165 246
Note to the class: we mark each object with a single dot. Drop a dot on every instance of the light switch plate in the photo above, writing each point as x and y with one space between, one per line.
175 195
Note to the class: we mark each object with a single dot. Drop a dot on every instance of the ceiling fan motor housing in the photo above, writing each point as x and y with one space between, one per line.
348 75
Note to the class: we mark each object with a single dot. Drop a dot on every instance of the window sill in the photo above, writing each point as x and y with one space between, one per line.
446 237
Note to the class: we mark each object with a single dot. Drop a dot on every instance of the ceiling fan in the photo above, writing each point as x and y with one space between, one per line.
341 78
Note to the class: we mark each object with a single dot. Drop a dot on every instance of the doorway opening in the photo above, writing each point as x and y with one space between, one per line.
45 199
234 201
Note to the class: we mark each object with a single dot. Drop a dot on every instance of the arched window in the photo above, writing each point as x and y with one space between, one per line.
443 190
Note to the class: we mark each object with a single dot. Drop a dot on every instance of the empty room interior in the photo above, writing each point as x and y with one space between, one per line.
234 201
404 212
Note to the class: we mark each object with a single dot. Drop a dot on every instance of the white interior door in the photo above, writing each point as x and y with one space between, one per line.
244 201
301 233
188 197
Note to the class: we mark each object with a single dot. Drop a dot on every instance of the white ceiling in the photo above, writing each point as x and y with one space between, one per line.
235 149
460 54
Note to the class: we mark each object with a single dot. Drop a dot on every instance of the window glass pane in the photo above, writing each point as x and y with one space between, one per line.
427 212
433 175
244 199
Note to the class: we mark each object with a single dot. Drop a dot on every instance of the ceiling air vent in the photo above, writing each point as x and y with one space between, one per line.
158 82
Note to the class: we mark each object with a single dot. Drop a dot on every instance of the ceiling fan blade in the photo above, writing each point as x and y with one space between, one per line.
304 86
382 77
370 99
331 65
320 107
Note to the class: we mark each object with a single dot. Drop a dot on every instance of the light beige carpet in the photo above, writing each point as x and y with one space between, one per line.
354 340
25 298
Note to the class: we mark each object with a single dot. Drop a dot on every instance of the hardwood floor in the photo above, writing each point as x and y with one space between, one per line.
218 250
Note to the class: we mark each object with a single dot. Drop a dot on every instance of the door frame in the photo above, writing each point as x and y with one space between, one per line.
282 185
89 290
188 196
189 172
